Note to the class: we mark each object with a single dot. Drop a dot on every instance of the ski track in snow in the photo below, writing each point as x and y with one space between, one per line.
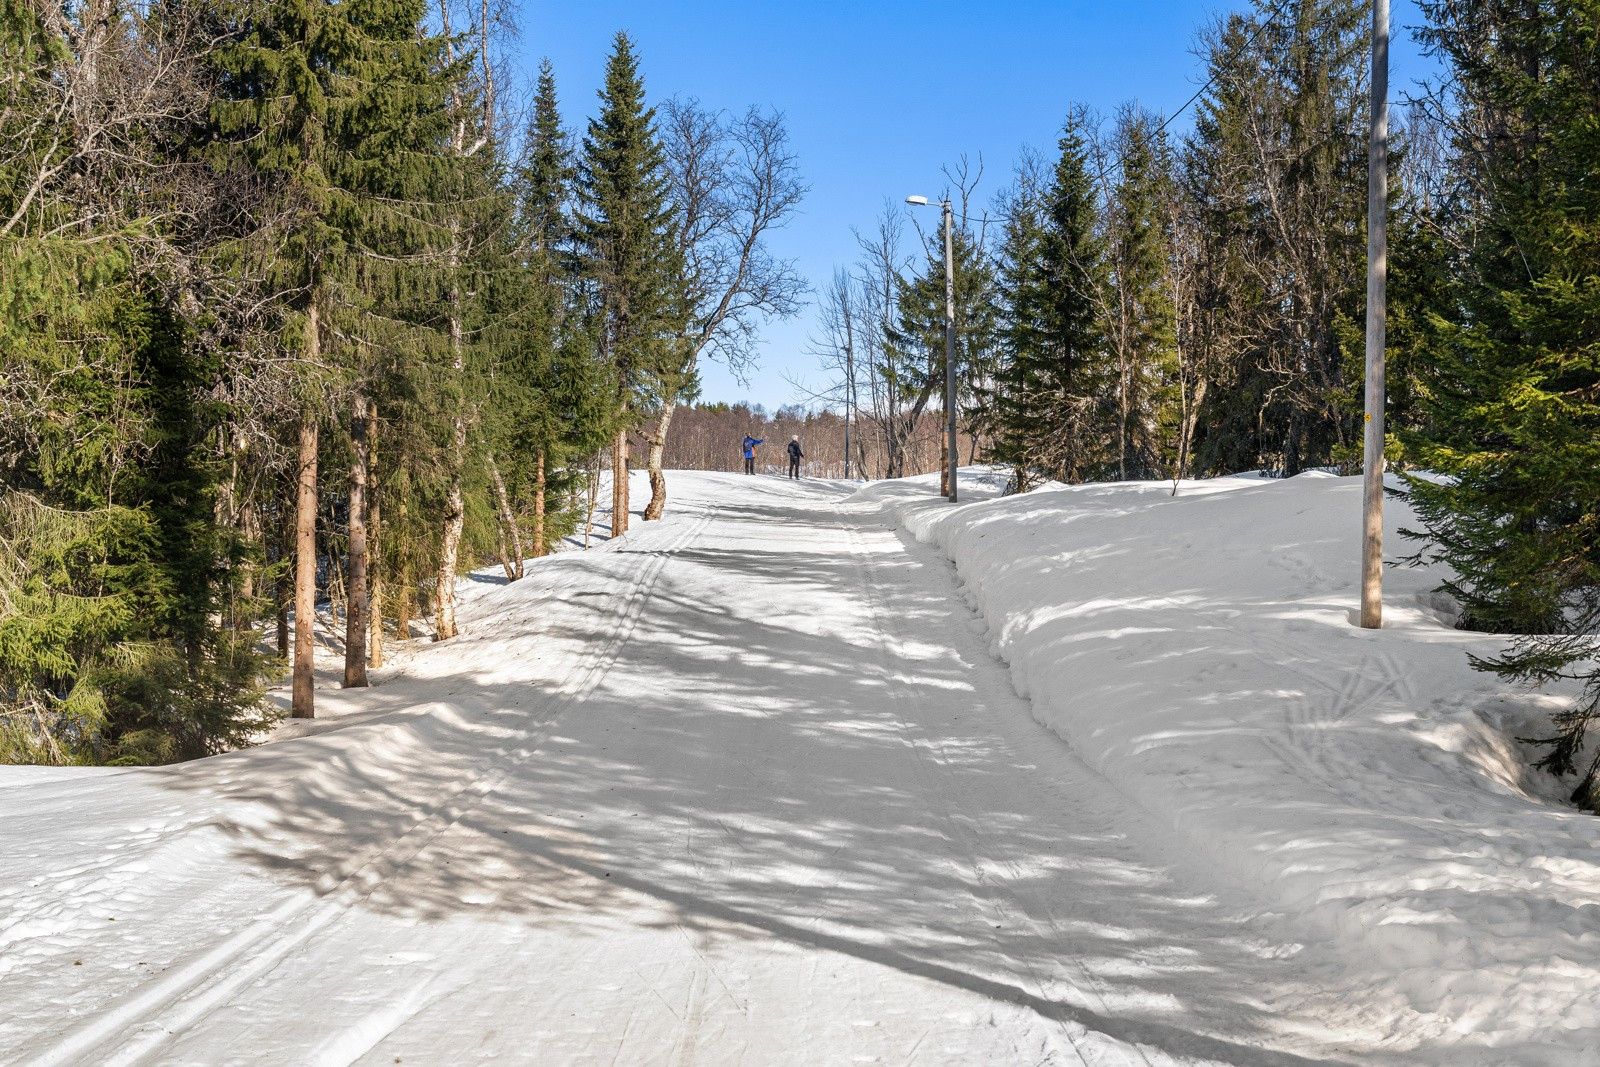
184 994
743 786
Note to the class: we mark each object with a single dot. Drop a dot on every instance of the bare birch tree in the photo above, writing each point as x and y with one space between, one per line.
732 179
473 132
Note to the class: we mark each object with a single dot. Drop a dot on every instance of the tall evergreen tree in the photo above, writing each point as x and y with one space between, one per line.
545 182
1231 288
113 574
475 211
541 413
1515 401
626 234
1012 402
1141 314
398 186
1423 262
340 109
1052 383
1277 168
277 74
531 428
919 376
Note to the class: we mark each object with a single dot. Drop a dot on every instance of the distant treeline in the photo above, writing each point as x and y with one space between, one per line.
707 437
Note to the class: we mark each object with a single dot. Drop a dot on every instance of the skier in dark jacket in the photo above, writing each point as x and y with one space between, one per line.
795 456
750 453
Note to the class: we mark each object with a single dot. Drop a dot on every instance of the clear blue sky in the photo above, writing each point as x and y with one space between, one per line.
880 95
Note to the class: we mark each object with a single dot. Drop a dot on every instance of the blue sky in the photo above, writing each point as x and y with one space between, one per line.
870 110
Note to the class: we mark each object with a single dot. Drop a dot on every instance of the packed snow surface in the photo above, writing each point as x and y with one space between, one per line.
812 773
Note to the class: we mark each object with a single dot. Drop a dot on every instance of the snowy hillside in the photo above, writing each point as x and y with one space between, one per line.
1201 652
754 784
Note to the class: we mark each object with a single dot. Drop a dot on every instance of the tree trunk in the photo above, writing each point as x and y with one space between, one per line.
408 593
356 617
508 519
619 485
538 507
374 528
594 494
283 615
1191 419
250 533
1291 447
444 618
303 700
336 601
658 446
1122 419
501 553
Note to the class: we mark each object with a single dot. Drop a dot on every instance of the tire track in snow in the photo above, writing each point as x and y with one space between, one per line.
141 1024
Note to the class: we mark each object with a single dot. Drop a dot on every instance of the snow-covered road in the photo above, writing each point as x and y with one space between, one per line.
745 786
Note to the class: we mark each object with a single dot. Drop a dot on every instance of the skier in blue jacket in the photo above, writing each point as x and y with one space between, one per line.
750 453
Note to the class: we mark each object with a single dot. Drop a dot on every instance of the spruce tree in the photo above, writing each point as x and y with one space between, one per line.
398 188
113 571
1013 405
1051 406
522 419
340 110
1277 171
1231 284
1422 286
550 399
546 178
1515 400
627 239
277 73
920 333
1141 315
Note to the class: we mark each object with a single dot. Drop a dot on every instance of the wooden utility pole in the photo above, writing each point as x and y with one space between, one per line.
1377 285
849 379
951 458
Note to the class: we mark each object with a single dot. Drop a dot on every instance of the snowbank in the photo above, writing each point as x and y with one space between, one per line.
1201 652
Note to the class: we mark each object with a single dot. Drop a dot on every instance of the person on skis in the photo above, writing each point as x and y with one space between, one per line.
795 456
750 453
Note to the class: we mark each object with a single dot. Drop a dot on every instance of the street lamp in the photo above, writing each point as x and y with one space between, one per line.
949 339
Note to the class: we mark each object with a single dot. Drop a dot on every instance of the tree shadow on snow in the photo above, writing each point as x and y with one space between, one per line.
496 793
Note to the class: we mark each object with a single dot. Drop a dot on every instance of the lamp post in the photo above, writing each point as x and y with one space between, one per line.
949 340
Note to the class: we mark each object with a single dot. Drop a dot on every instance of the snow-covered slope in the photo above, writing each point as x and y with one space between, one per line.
1200 651
748 786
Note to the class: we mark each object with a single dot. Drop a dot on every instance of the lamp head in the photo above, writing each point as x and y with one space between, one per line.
921 201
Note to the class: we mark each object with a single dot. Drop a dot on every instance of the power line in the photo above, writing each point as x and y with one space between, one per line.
1268 21
1121 160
